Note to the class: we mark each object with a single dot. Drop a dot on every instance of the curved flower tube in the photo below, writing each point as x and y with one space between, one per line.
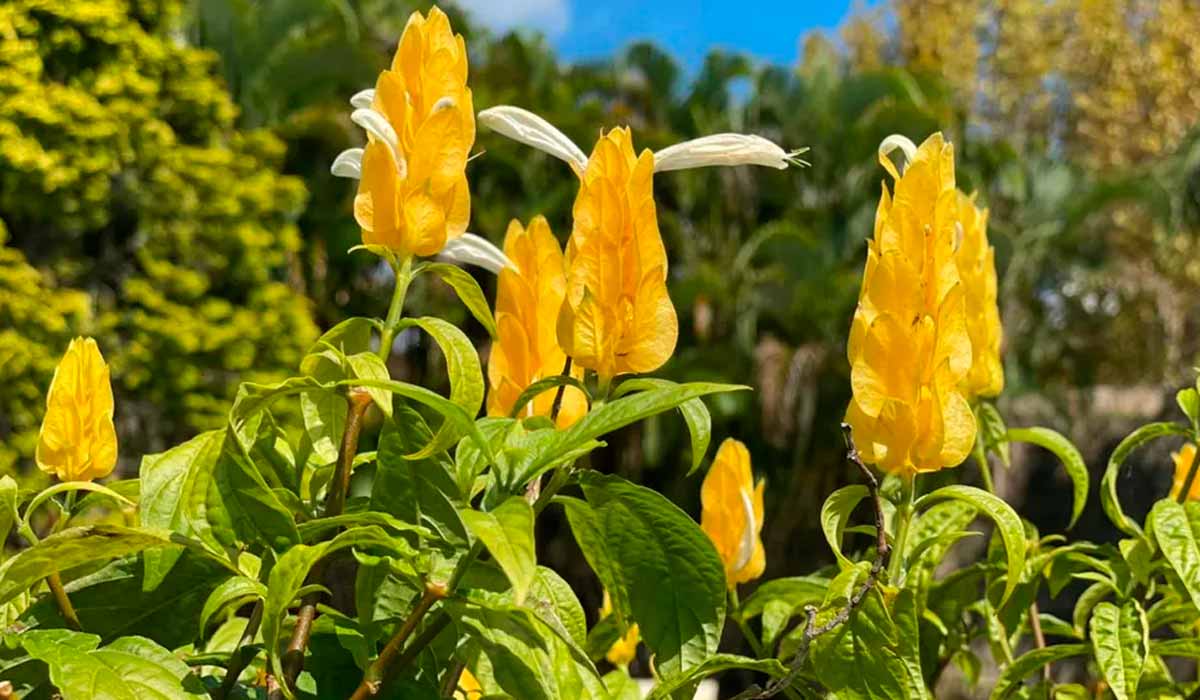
528 298
732 513
909 347
78 441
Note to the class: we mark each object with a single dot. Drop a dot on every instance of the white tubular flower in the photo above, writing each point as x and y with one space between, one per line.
897 141
363 98
470 249
530 129
348 164
725 149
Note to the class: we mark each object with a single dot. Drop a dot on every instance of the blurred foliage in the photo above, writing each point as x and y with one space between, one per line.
137 212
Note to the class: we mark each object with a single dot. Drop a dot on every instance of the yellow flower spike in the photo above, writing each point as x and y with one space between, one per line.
420 119
624 650
1184 459
618 317
528 299
909 348
78 441
468 687
731 513
977 269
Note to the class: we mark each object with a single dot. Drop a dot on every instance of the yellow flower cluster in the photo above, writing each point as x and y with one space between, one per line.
618 317
78 441
976 260
528 299
732 513
910 348
413 192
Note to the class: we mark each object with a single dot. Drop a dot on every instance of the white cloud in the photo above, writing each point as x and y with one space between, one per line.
549 16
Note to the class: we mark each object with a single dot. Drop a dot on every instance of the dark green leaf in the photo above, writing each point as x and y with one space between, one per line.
1031 661
1108 485
713 665
241 507
466 377
1067 454
233 593
658 565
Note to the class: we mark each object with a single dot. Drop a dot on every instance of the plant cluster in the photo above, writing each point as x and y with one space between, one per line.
272 557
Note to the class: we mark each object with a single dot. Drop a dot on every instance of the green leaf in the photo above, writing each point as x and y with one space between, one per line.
75 546
551 599
174 497
468 291
253 398
779 600
1031 661
458 420
835 513
552 382
241 508
110 601
1189 402
659 565
368 365
414 490
289 575
469 461
604 419
529 659
695 415
1187 647
346 338
1008 524
859 659
466 377
992 431
1120 640
713 665
233 593
1108 485
312 529
131 668
507 532
1067 454
1177 531
8 508
1088 600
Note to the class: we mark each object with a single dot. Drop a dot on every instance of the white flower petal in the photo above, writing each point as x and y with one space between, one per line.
906 146
746 545
725 149
378 126
470 249
348 164
363 99
445 103
530 129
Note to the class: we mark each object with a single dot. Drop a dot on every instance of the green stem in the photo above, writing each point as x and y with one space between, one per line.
735 612
903 518
388 335
985 471
54 581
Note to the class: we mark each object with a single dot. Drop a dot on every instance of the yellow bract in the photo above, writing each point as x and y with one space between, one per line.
78 441
468 687
617 317
1184 458
527 305
909 348
732 513
413 193
977 269
624 650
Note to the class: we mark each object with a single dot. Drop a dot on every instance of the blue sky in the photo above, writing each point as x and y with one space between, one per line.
582 29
